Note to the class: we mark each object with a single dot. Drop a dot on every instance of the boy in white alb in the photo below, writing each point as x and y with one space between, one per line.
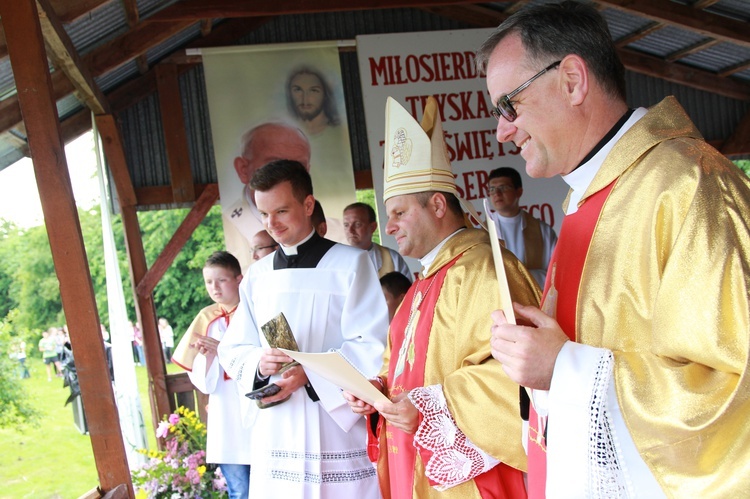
228 442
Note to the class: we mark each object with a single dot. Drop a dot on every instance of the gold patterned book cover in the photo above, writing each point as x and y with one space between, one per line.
279 334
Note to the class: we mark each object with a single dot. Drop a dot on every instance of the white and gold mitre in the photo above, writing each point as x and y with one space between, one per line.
416 159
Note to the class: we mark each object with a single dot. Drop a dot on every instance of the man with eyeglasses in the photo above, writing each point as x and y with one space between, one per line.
360 224
530 239
262 245
638 361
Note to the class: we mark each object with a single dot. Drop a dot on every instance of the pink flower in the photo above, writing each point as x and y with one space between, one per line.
163 430
174 418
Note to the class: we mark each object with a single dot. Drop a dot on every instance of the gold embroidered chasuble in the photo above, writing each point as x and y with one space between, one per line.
480 397
665 287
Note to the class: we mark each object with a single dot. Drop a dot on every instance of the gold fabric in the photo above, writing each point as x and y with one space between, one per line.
665 287
481 398
185 353
385 256
532 242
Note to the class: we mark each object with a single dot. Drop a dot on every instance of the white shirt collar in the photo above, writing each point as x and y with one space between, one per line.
580 178
292 250
429 258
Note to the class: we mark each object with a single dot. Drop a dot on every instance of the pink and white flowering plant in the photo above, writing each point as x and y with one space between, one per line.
180 471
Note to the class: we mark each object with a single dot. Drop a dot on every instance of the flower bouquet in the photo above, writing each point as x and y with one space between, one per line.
180 471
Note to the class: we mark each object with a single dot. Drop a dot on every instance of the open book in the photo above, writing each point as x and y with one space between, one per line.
335 368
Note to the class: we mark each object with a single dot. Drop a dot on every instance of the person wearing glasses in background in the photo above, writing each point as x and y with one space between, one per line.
530 239
639 358
262 245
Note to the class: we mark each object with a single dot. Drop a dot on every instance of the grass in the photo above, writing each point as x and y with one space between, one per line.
54 460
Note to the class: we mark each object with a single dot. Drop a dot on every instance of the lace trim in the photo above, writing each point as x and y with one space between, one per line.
455 459
282 460
606 476
325 477
319 456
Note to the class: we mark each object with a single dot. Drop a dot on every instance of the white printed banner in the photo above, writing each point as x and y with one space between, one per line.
412 66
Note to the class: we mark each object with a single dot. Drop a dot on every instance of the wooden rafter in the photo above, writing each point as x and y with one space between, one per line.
175 136
692 49
100 61
681 16
735 68
207 199
70 10
64 56
643 32
477 15
31 73
196 10
684 75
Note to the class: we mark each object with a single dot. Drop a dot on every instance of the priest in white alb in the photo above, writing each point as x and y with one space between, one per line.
306 441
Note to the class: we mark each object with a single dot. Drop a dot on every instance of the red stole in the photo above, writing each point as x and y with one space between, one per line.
560 300
400 445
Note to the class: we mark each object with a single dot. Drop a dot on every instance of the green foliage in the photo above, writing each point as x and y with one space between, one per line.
16 409
368 196
744 165
29 287
181 294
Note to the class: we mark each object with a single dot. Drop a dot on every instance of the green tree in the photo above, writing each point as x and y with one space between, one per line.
15 406
744 165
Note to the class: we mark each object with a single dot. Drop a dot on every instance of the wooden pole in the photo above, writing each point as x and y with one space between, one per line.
29 62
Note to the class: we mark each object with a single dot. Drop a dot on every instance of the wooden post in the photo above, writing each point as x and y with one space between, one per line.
23 36
144 305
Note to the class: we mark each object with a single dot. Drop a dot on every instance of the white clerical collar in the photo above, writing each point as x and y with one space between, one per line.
427 260
292 250
251 202
580 178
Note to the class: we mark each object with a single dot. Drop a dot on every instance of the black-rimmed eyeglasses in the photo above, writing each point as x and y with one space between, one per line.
505 108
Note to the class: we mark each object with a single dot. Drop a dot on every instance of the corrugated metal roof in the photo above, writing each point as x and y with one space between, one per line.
716 116
97 27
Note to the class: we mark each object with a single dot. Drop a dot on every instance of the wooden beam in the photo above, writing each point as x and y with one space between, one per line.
735 68
739 142
702 4
151 196
174 246
692 49
144 305
64 56
196 10
363 179
30 70
131 12
681 16
684 75
109 133
102 60
225 33
206 26
71 128
643 32
175 136
476 15
146 315
70 10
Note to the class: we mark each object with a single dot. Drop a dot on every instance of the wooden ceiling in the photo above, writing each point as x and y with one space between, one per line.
720 39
